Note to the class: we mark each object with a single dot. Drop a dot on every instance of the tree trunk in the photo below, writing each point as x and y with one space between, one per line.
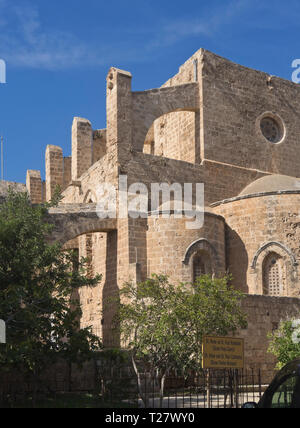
140 386
162 390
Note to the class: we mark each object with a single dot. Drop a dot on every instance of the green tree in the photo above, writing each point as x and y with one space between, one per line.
38 286
163 324
285 342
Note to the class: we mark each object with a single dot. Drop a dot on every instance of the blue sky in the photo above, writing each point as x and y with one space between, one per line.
58 54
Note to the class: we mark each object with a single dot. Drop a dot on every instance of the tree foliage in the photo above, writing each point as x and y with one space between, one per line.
163 324
285 342
38 286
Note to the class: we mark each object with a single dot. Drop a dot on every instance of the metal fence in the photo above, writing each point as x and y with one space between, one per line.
207 389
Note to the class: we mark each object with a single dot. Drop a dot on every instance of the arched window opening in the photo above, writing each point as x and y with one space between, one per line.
201 265
273 277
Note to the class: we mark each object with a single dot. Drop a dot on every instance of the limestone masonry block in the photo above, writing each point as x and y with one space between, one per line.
207 124
119 112
54 170
67 171
99 144
82 143
34 186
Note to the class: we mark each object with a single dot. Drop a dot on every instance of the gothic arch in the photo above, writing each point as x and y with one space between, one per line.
280 247
147 106
200 244
200 249
288 268
75 220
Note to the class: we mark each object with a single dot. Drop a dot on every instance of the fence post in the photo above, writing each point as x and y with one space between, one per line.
208 389
236 381
259 383
231 387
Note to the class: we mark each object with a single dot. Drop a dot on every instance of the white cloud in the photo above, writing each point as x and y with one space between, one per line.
27 44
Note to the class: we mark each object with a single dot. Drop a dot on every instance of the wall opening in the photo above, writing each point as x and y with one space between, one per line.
273 275
201 265
175 135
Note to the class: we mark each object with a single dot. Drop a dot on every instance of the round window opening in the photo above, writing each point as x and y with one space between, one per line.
271 129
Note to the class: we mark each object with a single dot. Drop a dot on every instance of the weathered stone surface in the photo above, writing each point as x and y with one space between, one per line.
82 142
264 313
54 170
6 185
204 125
34 186
72 220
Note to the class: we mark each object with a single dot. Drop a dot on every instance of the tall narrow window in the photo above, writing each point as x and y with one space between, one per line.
75 260
273 275
152 148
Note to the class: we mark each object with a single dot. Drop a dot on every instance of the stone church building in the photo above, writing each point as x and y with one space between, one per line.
236 130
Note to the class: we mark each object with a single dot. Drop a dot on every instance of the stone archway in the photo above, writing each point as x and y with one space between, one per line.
289 268
79 224
72 220
147 106
209 254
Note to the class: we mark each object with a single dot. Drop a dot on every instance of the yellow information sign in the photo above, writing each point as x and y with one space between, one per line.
222 353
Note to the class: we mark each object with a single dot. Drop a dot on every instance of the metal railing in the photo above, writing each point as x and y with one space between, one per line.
207 389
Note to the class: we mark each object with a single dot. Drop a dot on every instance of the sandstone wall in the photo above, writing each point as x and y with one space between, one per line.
201 126
34 186
272 221
93 247
264 314
234 98
221 181
104 170
176 136
54 170
168 241
99 145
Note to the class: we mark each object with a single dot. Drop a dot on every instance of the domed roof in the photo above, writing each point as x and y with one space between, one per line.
272 183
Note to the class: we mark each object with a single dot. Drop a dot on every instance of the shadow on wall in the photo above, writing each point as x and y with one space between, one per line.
176 136
237 261
110 293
